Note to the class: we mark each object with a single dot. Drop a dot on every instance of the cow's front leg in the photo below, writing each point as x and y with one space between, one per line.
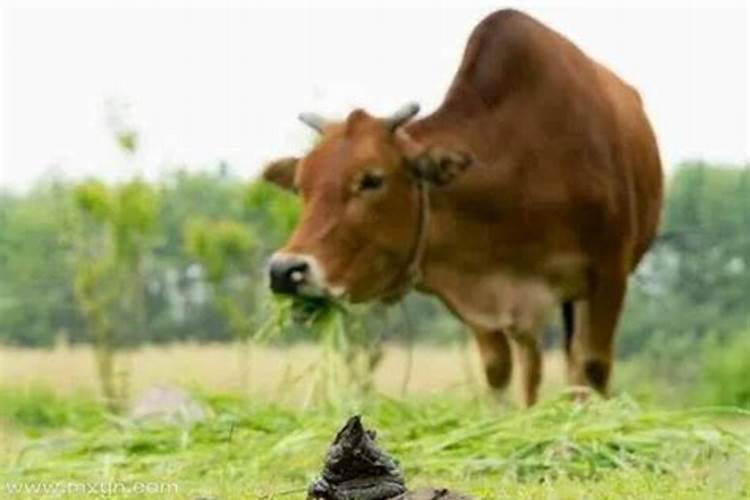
495 354
527 347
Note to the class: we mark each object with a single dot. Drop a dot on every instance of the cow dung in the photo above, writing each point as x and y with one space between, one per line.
356 469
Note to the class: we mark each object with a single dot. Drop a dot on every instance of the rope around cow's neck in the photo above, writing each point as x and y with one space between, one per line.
413 272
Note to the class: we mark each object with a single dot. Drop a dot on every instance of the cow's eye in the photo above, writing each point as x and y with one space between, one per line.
370 182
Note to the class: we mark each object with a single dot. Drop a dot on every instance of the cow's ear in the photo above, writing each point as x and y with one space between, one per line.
281 172
437 165
440 166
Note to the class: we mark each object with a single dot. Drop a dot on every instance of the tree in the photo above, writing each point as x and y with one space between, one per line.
695 279
112 239
36 299
224 250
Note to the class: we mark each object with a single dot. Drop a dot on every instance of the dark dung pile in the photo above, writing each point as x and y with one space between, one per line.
356 469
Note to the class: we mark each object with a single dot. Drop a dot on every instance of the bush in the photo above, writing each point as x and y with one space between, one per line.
725 377
35 409
712 370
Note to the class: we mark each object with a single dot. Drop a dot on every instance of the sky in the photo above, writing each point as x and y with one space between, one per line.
209 82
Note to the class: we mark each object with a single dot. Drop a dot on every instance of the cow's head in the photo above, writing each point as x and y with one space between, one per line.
360 185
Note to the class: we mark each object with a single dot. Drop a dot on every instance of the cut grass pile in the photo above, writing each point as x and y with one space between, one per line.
251 449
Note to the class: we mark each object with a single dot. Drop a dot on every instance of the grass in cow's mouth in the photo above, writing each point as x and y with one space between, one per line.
287 311
308 309
348 352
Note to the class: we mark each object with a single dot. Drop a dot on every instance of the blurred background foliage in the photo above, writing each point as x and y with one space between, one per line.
182 258
190 240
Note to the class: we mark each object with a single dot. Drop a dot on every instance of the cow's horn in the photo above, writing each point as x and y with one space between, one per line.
314 121
403 115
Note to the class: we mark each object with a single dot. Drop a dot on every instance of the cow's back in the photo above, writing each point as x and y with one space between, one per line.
567 159
640 158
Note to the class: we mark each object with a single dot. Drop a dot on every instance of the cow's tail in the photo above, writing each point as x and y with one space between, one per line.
568 317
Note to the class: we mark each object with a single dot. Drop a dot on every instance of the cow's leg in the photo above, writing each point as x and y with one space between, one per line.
595 321
528 353
496 358
576 349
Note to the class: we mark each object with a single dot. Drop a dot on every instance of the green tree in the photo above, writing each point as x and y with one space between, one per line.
36 299
113 235
696 278
224 249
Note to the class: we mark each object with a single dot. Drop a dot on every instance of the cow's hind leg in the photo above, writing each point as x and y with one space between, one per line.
595 320
494 351
528 353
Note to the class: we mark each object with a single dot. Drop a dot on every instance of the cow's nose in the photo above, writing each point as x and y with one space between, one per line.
287 274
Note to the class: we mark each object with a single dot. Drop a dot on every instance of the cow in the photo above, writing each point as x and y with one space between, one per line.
535 186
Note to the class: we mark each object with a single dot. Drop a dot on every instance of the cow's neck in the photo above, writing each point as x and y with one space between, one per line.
463 262
484 281
412 274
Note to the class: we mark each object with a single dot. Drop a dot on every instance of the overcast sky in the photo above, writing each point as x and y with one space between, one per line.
212 84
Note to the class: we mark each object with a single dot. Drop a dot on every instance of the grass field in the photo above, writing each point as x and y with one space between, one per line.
263 443
276 373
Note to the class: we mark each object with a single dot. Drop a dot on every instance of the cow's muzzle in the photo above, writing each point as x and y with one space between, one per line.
299 274
288 274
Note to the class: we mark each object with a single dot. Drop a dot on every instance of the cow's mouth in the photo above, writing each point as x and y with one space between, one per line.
307 309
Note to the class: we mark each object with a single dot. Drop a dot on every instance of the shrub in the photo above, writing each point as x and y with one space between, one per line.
725 377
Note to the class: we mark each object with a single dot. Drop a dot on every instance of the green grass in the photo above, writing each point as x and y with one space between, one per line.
38 409
251 448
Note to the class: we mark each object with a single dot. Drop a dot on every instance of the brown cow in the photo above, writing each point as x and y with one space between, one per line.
536 183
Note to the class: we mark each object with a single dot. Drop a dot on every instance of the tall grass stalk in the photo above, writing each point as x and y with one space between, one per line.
343 374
